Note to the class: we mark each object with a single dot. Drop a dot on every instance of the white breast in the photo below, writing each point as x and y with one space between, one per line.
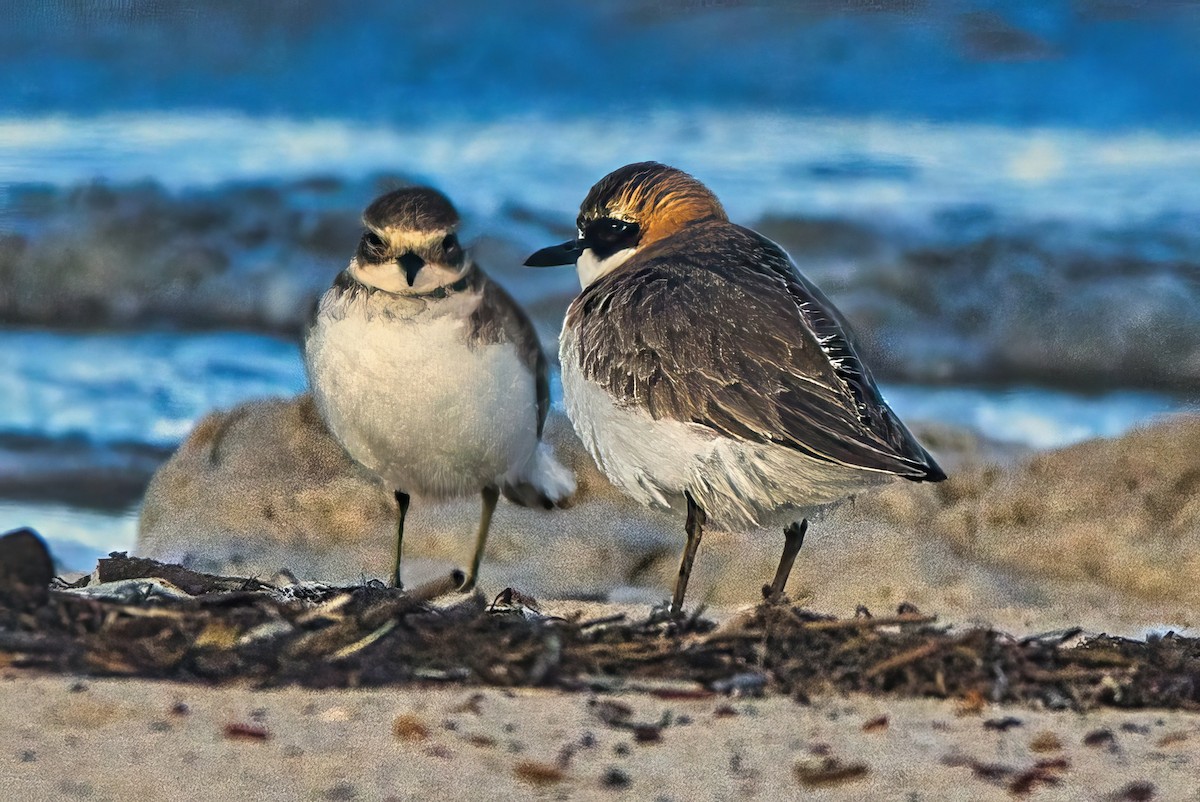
589 268
737 483
410 399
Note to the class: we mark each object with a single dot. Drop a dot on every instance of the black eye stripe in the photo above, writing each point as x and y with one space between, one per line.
608 235
610 230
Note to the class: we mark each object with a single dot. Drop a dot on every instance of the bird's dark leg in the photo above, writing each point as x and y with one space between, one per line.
490 494
793 539
402 502
695 529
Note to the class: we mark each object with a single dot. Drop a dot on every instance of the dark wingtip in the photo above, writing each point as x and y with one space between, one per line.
930 471
935 473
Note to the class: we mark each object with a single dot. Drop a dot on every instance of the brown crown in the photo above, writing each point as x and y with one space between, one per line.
412 209
659 198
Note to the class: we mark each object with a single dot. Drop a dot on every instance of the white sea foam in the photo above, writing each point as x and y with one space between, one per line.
757 163
1032 416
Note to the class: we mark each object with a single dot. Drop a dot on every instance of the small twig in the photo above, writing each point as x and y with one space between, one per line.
134 611
607 619
904 658
870 623
437 587
1056 637
364 642
1071 673
327 609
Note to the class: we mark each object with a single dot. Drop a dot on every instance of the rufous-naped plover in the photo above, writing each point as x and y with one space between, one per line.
701 369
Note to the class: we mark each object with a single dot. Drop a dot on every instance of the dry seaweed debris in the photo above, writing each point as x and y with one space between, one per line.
215 629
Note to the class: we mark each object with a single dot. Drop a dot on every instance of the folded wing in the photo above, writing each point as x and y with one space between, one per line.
729 335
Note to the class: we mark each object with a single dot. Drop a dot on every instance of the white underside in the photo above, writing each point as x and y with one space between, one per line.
407 397
738 484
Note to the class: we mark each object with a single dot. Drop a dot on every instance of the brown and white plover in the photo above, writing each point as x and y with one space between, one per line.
428 373
701 369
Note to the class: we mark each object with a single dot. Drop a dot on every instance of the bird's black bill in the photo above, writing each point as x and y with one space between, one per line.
412 264
565 254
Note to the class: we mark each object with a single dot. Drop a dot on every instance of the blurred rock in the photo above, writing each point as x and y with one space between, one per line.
984 300
265 487
76 471
259 488
239 255
26 569
1104 534
1123 513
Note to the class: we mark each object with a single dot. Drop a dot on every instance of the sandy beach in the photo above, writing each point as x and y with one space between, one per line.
640 730
119 739
1001 200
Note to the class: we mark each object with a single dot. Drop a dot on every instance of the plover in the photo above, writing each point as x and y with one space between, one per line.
700 368
428 373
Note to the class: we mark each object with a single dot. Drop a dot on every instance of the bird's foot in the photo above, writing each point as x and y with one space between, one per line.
775 597
663 613
676 620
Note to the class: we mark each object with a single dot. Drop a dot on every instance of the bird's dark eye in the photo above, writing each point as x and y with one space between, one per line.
611 229
608 235
452 248
371 248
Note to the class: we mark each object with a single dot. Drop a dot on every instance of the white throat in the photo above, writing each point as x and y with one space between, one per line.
389 277
590 268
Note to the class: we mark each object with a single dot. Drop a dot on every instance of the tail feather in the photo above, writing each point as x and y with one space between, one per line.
544 482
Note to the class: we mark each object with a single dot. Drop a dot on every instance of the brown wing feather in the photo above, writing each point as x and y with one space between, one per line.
498 319
726 333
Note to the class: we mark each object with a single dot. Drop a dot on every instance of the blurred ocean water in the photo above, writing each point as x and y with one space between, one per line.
77 537
1002 192
759 163
966 251
146 388
1097 64
151 388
